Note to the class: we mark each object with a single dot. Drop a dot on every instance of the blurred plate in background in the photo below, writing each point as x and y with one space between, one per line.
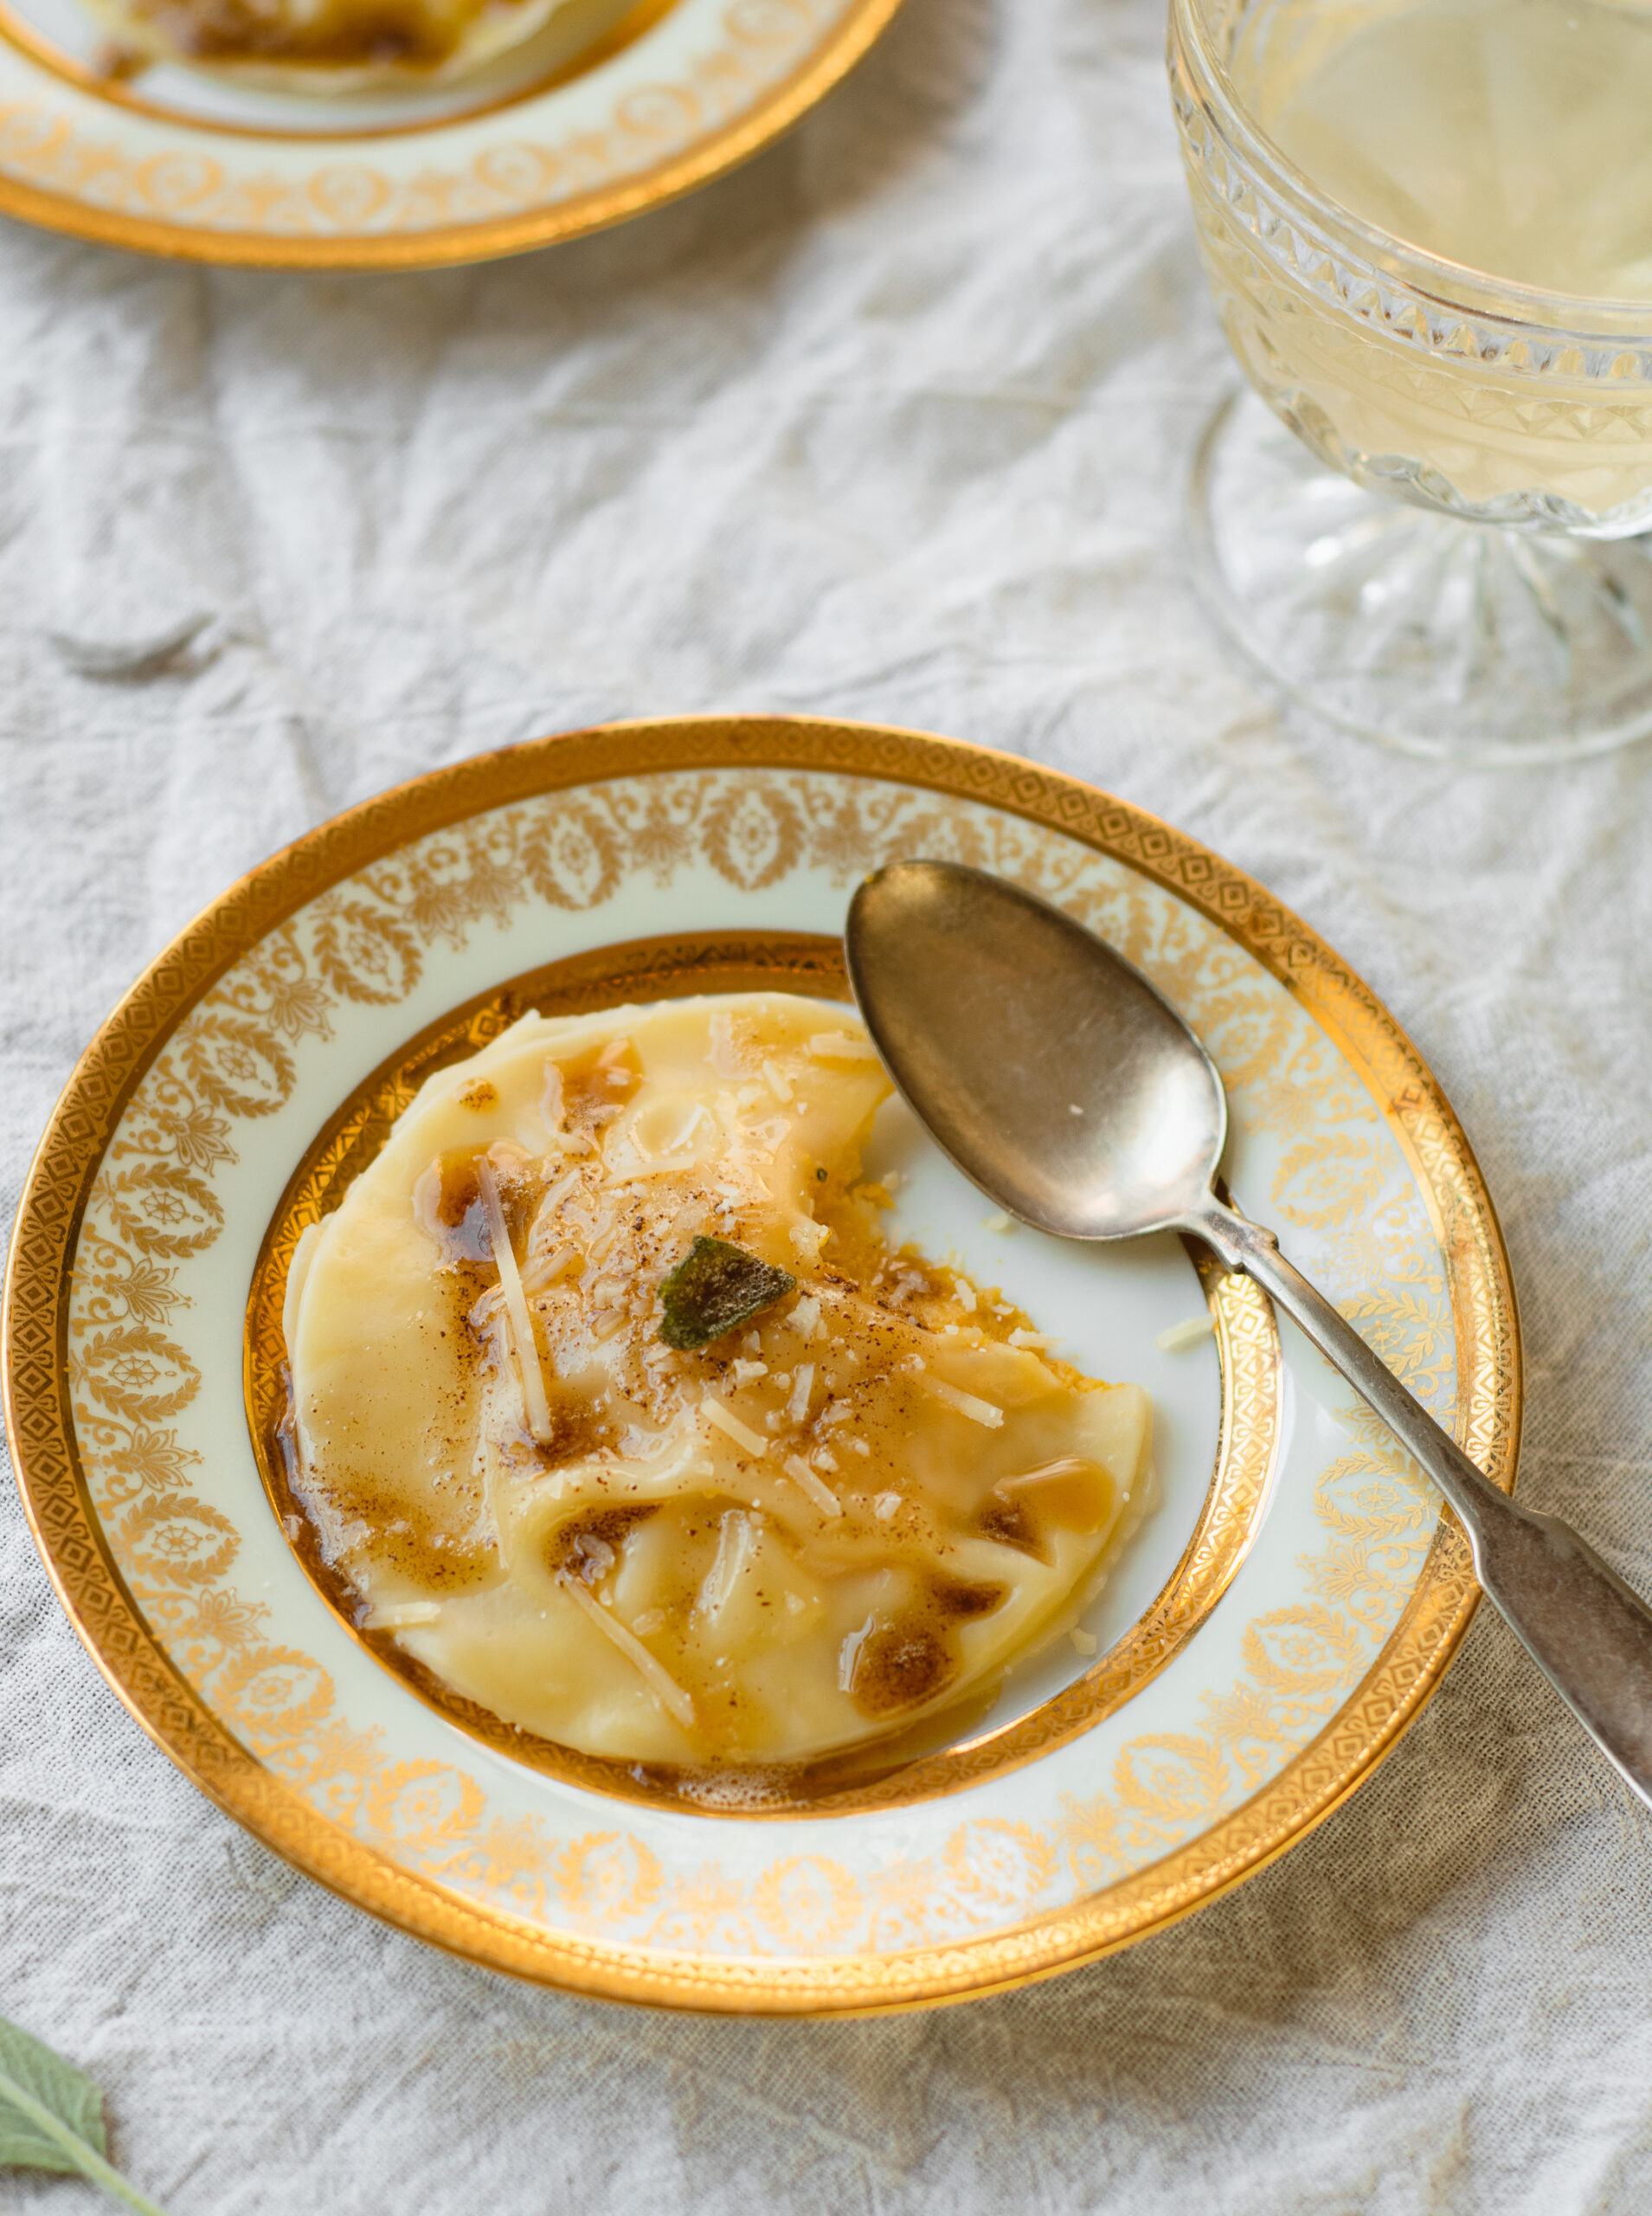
617 107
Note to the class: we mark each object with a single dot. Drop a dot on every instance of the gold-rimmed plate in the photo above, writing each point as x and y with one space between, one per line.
1280 1619
619 107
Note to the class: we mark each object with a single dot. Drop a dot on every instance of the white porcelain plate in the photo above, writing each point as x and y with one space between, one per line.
1288 1607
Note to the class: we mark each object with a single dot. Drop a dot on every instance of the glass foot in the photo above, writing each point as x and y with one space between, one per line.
1455 641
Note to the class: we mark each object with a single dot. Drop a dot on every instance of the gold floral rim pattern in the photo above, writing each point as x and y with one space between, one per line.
413 1850
1247 1345
73 160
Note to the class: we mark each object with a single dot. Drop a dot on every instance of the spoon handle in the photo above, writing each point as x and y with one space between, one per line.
1587 1631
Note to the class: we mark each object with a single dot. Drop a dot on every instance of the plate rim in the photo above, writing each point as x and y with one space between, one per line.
1403 1676
725 147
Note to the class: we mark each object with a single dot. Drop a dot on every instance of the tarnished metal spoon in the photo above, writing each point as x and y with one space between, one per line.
1073 1094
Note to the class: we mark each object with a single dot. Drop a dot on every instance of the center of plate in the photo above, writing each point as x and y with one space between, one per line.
66 38
1216 1404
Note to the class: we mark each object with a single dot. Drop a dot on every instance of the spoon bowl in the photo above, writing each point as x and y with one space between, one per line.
1047 1067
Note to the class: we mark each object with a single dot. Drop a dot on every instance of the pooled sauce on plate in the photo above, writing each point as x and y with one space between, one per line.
321 45
528 1433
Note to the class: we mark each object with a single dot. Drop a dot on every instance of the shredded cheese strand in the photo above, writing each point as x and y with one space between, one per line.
805 1479
735 1543
1181 1337
797 1408
403 1616
981 1412
742 1434
515 1302
559 1191
659 1680
841 1047
538 1275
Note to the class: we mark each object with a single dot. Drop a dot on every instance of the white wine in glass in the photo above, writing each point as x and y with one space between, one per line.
1428 226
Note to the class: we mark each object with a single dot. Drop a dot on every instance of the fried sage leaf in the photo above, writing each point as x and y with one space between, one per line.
716 1288
51 2117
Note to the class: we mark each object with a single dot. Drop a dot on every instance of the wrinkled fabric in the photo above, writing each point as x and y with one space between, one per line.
893 423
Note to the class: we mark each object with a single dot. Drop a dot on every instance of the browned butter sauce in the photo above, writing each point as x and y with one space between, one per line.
320 45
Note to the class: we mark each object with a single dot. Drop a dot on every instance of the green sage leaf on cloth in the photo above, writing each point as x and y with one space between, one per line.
51 2117
716 1288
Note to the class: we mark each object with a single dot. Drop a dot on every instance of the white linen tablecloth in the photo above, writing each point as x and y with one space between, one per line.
891 424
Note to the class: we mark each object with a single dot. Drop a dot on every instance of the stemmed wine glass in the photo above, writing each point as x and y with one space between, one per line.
1427 225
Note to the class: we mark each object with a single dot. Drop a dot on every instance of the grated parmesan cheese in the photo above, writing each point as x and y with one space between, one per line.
967 1404
734 1541
667 1166
723 1058
556 1193
403 1616
742 1435
538 1275
1188 1333
550 1100
516 1302
805 1479
841 1047
659 1681
797 1408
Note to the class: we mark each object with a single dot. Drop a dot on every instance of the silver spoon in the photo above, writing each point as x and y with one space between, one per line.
1075 1096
